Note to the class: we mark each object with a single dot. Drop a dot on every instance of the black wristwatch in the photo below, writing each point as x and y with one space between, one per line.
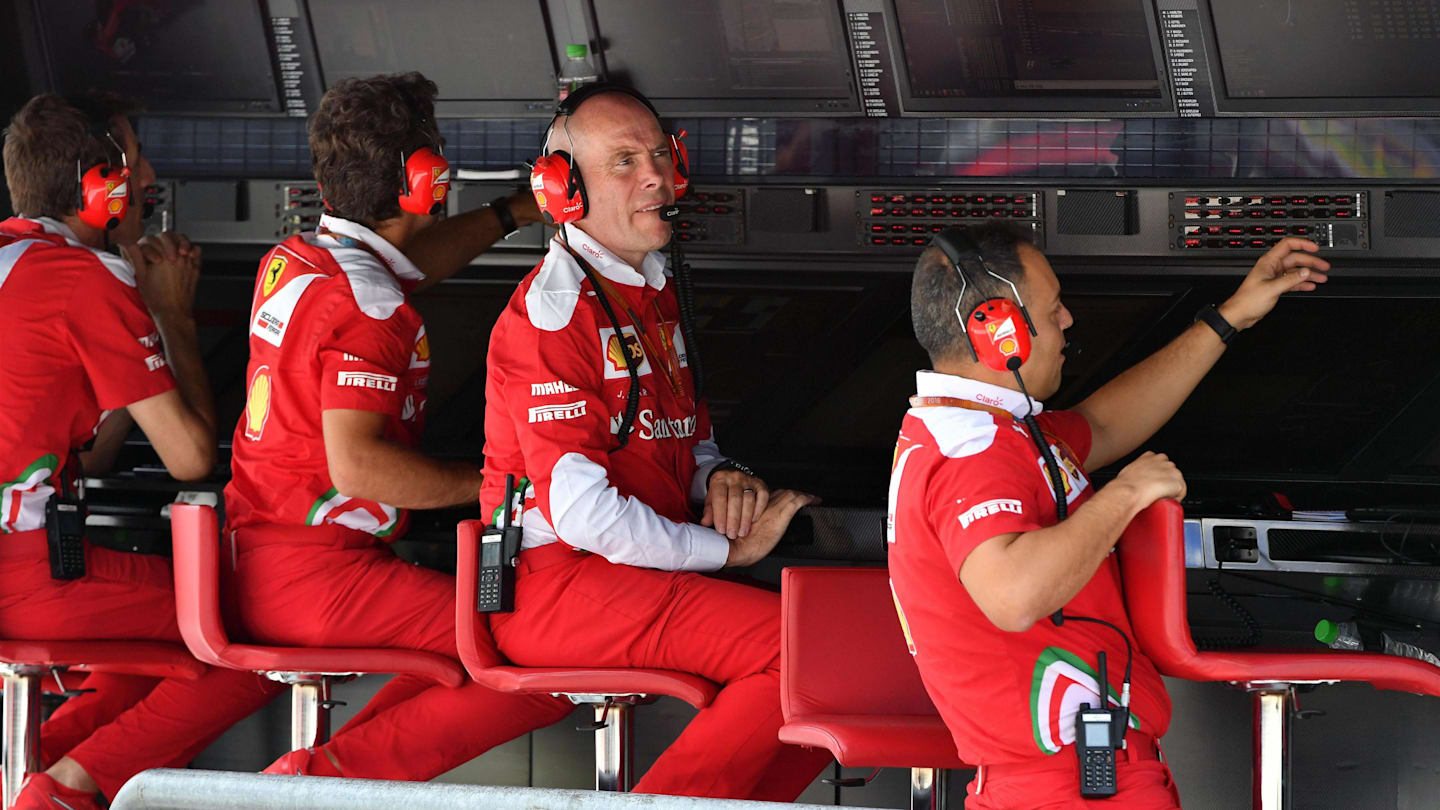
501 206
729 464
1212 318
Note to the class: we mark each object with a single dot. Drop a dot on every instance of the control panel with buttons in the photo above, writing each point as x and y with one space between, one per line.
908 219
1206 221
159 210
298 208
712 215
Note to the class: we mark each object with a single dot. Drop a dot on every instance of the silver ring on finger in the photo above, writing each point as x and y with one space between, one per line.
749 490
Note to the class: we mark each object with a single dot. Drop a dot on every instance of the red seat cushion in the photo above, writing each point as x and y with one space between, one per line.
479 657
1152 565
847 681
153 658
877 740
196 544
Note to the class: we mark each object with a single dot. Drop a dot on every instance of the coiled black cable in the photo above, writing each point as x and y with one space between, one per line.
1232 640
685 297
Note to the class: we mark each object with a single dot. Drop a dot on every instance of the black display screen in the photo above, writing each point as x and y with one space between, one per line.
1324 387
730 56
491 58
1101 56
172 55
1373 54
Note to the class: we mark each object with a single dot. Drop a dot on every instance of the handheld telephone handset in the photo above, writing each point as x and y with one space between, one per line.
65 530
1095 743
499 548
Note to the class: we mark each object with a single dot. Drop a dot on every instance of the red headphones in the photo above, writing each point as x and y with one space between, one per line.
555 179
103 191
993 329
424 181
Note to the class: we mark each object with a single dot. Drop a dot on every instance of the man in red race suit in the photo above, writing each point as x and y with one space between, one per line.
324 465
93 341
607 574
988 540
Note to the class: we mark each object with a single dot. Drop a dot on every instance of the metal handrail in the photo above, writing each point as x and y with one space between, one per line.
175 789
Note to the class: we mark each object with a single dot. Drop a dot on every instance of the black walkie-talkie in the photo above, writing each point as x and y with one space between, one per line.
1095 742
65 529
499 546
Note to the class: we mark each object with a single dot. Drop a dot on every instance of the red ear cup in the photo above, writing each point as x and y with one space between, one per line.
426 182
104 196
999 333
559 191
680 156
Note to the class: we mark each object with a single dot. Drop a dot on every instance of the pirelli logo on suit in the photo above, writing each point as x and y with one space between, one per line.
553 413
988 508
365 379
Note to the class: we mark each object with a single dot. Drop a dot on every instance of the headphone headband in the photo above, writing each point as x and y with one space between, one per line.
990 329
573 101
102 190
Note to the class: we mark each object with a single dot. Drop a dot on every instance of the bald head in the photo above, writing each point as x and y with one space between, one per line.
602 112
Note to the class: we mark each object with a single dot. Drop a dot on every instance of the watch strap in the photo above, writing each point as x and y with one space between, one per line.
1212 318
730 464
501 206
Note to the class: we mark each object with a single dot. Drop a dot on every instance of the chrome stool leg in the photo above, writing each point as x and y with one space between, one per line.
310 706
614 746
928 787
22 727
309 713
1270 736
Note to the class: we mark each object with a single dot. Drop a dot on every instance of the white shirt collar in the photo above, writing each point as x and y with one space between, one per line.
401 266
652 269
935 384
58 228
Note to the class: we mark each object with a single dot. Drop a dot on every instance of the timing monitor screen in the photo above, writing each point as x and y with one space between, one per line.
1334 56
172 55
490 58
1100 56
743 57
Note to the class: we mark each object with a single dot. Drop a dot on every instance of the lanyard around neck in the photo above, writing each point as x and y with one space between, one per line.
669 360
1053 474
352 242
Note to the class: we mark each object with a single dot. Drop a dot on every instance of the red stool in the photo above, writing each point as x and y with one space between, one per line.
612 692
1152 564
310 671
849 685
24 664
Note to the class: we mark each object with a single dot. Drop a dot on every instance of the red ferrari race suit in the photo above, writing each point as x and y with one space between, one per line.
78 343
610 550
964 474
331 328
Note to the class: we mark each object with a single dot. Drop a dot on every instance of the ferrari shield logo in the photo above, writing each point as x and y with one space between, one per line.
273 271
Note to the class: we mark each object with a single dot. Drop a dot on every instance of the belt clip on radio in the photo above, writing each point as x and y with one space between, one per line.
499 550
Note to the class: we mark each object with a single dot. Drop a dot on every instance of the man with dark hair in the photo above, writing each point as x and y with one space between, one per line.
607 574
324 461
93 341
995 527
